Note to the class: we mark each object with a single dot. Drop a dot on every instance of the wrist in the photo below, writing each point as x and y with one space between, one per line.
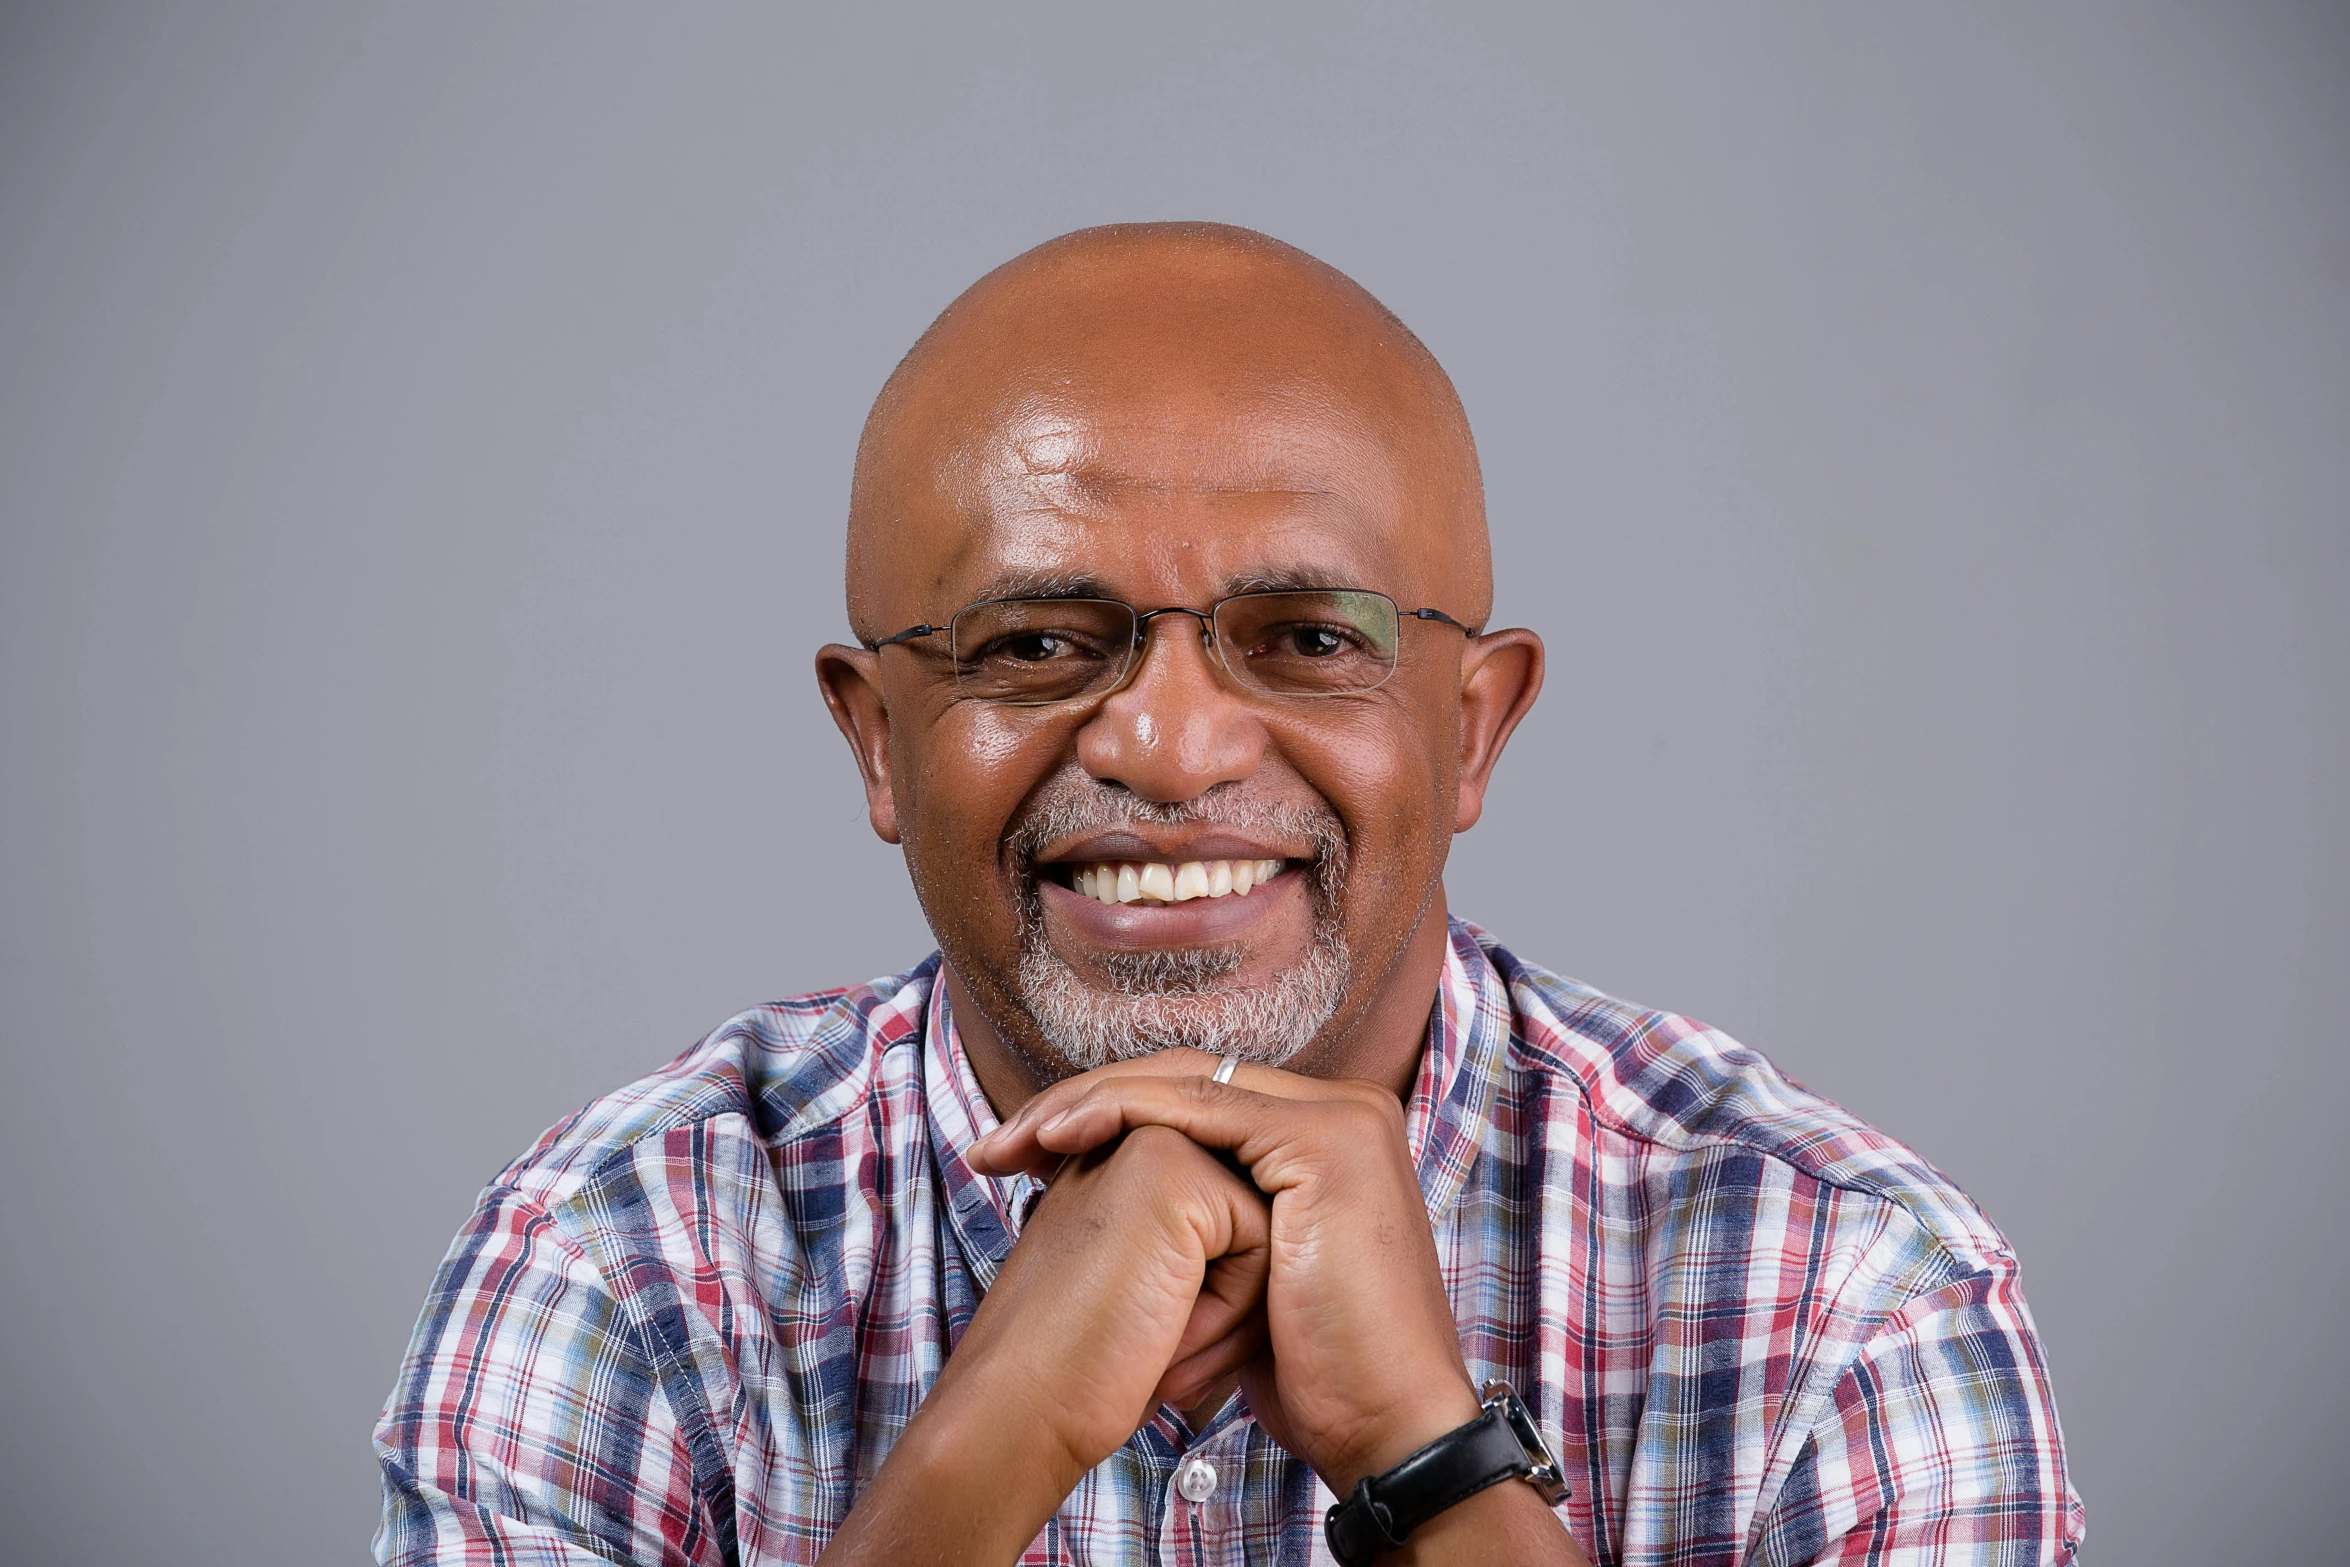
1508 1522
1411 1425
1441 1496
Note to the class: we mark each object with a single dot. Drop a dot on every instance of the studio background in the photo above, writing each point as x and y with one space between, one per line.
1919 433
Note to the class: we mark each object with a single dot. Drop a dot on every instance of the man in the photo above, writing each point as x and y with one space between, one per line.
1213 1196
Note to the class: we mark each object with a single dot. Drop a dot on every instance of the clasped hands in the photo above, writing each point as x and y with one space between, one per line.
1272 1225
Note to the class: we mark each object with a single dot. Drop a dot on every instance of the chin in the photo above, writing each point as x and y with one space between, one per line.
1183 996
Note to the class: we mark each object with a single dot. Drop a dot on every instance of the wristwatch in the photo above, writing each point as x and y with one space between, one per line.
1501 1444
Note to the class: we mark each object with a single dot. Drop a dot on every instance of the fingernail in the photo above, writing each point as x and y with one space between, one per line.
1055 1121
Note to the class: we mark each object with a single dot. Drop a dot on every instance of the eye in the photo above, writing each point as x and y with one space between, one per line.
1031 647
1305 639
1312 641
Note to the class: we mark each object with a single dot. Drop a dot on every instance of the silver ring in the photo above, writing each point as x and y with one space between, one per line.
1224 1069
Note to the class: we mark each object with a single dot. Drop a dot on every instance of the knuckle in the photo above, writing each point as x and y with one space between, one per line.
1050 1101
1160 1169
1152 1145
1367 1118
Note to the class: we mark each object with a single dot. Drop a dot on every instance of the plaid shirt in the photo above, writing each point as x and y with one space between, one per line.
688 1325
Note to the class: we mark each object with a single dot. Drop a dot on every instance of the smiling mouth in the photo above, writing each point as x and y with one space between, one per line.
1155 882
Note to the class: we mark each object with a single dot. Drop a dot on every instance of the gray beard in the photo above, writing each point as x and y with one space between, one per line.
1176 996
1159 999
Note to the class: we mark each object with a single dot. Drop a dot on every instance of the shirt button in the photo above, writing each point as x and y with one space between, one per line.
1196 1480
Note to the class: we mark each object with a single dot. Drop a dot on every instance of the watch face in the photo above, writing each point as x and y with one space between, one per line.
1545 1475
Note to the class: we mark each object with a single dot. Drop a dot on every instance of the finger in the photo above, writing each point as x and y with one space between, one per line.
1024 1157
1225 1327
1009 1147
1219 1116
1231 1225
1251 1126
1047 1102
1089 1117
1194 1374
1232 1332
990 1154
1233 1285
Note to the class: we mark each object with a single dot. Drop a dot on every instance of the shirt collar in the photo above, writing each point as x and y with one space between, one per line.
1452 1094
986 1211
1467 1051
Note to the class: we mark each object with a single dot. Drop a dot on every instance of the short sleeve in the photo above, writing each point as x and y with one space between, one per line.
1939 1447
529 1426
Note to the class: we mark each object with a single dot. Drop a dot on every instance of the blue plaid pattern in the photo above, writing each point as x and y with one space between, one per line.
688 1325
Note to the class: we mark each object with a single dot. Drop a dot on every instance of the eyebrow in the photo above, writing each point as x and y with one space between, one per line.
1085 585
1044 585
1290 579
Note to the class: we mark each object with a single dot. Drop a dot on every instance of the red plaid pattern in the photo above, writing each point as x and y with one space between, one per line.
688 1325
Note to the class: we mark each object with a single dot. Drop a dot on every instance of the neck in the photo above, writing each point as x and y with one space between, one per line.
1382 1043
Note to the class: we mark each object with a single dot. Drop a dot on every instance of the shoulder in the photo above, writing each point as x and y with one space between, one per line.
1689 1094
772 1073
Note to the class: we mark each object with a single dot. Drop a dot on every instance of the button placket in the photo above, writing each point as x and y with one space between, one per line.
1203 1514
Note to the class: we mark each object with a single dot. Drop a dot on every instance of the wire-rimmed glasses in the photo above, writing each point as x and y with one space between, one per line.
1027 652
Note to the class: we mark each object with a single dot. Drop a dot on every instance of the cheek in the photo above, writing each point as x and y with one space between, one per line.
969 766
994 740
1390 774
964 772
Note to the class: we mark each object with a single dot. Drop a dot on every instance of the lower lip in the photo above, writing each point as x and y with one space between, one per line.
1196 922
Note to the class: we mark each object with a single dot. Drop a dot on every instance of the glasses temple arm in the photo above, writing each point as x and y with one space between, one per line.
1436 614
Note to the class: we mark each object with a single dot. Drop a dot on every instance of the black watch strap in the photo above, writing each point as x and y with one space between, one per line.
1502 1443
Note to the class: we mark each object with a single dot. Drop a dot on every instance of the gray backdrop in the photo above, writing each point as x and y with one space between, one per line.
424 434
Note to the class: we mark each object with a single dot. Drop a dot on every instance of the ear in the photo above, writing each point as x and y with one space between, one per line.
1501 675
850 678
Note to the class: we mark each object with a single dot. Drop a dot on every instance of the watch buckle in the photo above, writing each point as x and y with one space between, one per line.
1543 1472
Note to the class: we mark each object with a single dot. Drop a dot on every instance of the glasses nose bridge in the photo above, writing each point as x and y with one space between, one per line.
1205 617
1141 648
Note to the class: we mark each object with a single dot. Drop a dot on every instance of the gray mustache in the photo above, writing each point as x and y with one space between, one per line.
1062 812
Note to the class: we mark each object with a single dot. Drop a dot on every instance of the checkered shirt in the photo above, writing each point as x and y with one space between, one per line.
689 1324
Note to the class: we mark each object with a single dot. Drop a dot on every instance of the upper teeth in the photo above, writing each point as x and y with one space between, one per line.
1127 881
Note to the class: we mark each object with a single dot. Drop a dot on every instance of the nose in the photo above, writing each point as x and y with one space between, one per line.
1174 730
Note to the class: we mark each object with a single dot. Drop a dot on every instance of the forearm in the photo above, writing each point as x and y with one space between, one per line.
1066 1355
964 1485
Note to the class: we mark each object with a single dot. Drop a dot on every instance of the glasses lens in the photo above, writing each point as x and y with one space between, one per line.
1041 650
1308 644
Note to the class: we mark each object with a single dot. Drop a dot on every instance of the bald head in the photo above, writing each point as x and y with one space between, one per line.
1175 416
1138 370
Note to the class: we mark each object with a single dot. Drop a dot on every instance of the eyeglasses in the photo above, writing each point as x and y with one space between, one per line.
1026 652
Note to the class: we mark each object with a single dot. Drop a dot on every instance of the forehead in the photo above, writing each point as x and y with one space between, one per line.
1169 496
